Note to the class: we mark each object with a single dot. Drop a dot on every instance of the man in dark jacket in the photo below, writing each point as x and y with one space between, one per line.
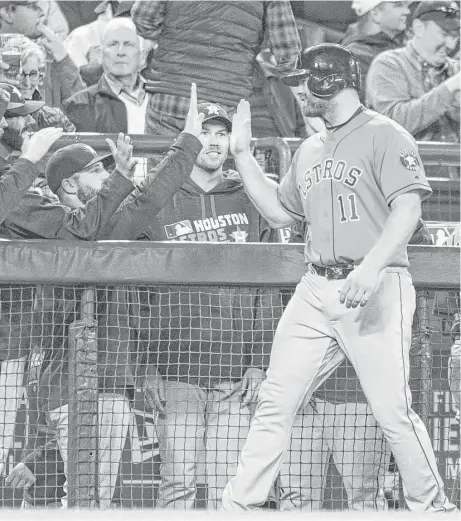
205 348
380 27
117 103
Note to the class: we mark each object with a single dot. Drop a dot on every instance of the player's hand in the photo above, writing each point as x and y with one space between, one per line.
359 286
240 138
123 155
35 147
154 391
251 382
53 44
21 477
194 120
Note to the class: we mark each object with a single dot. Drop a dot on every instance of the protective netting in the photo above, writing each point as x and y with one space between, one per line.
76 362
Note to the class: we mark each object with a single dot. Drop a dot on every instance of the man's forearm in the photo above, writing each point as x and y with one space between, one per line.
395 236
262 191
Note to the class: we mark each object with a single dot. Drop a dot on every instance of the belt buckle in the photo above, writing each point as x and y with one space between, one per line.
334 272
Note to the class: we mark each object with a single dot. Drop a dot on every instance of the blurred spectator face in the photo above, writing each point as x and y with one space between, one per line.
392 16
215 141
3 125
311 106
23 19
15 130
89 181
121 52
31 77
436 42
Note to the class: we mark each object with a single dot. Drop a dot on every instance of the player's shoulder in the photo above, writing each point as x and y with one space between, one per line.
390 57
384 127
314 141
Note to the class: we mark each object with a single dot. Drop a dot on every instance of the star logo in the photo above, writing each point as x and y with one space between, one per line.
409 160
239 235
213 110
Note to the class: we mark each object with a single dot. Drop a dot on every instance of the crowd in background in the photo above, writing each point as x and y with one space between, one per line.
127 67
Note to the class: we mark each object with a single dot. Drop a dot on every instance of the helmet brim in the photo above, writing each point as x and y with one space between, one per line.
295 78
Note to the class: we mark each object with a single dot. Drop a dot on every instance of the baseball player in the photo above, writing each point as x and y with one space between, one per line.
207 349
358 185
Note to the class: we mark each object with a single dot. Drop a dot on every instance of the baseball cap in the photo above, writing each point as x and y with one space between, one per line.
69 160
17 2
18 106
443 13
214 111
4 100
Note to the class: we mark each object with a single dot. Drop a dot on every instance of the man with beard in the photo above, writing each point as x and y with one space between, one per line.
205 349
358 185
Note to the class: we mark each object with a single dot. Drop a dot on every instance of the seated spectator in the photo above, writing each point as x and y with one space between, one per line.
419 85
20 122
33 71
118 102
380 27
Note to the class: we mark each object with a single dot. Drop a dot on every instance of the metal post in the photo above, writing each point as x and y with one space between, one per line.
82 470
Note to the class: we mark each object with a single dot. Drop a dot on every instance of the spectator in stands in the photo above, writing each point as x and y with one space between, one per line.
275 111
118 102
20 122
54 18
205 350
380 27
213 44
33 70
419 85
21 17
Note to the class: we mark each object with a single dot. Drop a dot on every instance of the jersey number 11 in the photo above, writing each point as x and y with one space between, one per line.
353 216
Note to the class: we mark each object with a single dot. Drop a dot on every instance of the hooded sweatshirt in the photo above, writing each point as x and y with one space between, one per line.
205 335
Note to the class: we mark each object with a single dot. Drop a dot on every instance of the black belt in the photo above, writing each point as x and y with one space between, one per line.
333 272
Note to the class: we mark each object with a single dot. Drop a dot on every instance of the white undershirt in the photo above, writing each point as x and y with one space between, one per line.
135 113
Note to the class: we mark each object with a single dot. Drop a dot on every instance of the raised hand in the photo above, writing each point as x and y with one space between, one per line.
123 155
54 45
194 119
240 139
20 477
35 148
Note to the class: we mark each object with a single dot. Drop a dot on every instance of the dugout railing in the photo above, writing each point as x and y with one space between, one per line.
198 271
443 206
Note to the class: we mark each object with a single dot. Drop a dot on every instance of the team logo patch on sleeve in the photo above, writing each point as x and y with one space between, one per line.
409 160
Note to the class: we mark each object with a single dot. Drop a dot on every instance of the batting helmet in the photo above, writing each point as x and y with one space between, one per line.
329 68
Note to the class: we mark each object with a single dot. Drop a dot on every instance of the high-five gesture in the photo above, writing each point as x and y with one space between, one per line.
240 139
123 155
194 119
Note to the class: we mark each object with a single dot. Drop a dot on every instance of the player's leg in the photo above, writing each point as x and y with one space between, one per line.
360 454
58 419
301 350
11 389
180 433
114 420
303 471
377 340
227 425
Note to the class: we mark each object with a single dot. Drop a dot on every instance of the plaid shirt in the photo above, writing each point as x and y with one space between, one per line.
281 35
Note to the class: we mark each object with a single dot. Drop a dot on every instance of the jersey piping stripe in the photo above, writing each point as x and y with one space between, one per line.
405 189
405 383
290 211
333 221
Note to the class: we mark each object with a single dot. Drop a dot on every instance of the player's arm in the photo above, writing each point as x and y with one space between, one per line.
263 192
